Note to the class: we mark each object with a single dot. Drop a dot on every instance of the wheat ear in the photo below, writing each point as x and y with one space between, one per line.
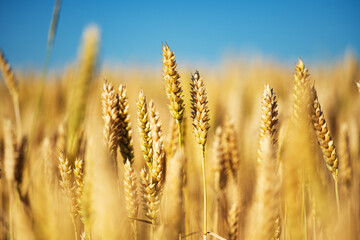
269 121
345 173
302 92
234 222
132 204
231 147
144 129
68 188
125 140
324 138
110 108
158 164
76 105
200 116
79 183
151 200
173 88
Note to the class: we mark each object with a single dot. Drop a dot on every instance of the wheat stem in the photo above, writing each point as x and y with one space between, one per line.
204 187
337 196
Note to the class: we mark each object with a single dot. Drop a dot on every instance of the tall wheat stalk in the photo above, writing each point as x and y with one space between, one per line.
173 88
200 116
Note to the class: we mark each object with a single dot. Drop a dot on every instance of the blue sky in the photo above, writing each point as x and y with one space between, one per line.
198 31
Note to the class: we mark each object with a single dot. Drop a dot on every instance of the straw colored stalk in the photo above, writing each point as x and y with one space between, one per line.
174 212
110 108
158 169
76 105
144 129
130 190
13 88
269 121
324 138
268 192
200 116
173 88
125 139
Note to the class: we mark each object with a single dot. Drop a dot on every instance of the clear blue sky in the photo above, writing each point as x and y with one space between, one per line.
199 31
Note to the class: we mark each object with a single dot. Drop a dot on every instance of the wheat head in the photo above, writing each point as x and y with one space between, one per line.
125 140
144 129
199 107
110 108
173 88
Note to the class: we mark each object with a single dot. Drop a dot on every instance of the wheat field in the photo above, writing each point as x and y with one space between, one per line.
246 150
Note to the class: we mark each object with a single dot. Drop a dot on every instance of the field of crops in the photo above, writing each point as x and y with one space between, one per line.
246 150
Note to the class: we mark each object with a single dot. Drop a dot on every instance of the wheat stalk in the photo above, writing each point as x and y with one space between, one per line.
125 140
144 129
76 105
173 88
110 108
200 116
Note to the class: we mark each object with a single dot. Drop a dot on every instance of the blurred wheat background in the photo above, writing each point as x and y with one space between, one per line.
244 150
